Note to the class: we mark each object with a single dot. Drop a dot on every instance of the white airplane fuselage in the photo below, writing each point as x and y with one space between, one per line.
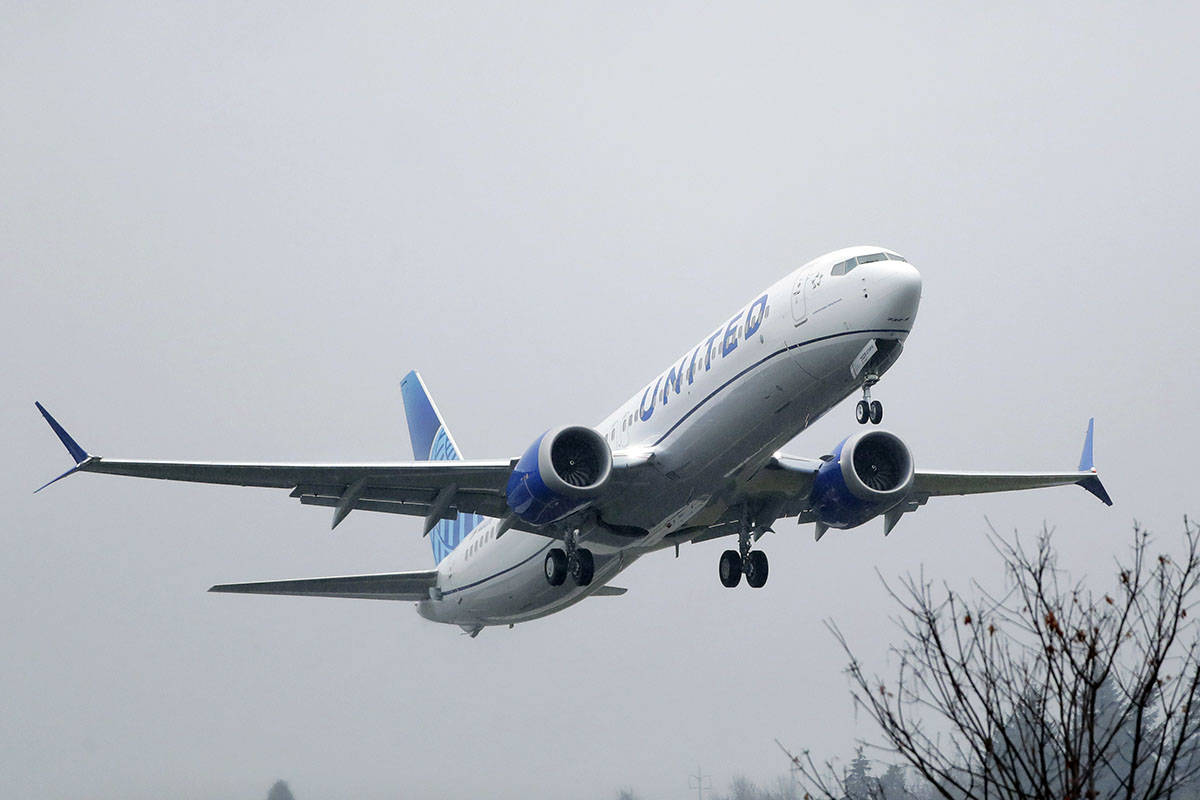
707 423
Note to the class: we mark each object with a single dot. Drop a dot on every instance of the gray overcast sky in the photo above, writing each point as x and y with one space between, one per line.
227 230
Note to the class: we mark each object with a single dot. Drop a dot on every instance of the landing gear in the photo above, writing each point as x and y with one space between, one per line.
756 568
556 567
582 567
578 562
735 563
869 410
730 569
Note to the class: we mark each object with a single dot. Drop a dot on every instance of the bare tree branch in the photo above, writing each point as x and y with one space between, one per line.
1046 690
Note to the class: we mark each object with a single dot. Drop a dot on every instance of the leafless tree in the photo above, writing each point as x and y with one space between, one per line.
1045 691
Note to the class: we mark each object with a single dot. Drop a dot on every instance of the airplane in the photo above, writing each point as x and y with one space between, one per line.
693 455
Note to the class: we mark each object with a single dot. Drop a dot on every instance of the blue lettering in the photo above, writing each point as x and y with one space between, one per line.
644 412
753 319
674 378
729 344
708 350
692 365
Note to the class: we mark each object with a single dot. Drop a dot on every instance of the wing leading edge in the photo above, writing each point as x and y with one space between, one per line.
415 488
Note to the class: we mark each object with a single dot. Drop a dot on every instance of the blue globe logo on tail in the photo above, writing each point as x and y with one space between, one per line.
432 441
448 533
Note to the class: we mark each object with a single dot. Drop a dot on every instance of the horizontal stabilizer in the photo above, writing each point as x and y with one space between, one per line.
409 586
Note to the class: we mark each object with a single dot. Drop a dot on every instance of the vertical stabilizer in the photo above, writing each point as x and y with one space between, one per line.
431 441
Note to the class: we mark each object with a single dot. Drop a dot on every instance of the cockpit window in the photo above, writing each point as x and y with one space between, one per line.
844 267
895 257
850 263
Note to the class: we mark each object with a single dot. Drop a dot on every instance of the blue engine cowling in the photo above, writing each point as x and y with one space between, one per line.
560 473
868 474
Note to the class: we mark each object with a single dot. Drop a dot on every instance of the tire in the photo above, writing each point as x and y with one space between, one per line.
556 567
862 412
730 568
757 568
585 567
876 412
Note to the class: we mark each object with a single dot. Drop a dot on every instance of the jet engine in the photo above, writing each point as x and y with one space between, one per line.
868 474
562 472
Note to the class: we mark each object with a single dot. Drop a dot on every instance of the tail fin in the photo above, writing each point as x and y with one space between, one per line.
431 441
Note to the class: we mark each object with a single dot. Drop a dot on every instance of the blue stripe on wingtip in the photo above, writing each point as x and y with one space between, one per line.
71 471
78 453
1086 460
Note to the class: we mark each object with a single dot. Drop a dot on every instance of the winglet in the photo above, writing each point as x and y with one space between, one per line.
78 453
1092 484
1086 461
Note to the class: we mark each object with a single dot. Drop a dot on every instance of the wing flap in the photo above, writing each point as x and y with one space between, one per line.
414 501
410 586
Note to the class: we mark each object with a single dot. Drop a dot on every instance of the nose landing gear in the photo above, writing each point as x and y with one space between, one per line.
869 410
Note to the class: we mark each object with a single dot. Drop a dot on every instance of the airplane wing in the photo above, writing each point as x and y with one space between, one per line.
432 489
410 586
937 483
783 486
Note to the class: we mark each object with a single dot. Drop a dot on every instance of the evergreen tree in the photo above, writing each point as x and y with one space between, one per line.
859 783
280 791
892 784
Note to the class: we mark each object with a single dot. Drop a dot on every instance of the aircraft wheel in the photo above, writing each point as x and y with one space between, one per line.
730 568
876 411
556 567
756 568
583 567
862 412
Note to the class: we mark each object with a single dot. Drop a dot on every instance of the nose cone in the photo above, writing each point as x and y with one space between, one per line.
899 292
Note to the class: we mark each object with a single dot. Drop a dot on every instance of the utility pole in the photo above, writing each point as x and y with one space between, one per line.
700 782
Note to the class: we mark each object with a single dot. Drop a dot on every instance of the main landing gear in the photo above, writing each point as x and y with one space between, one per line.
869 410
743 561
572 560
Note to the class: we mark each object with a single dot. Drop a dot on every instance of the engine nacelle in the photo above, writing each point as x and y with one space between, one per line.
561 472
870 472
